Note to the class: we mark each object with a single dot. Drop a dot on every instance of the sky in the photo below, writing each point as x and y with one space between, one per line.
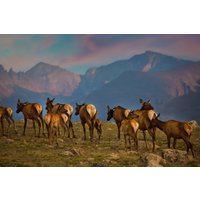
77 53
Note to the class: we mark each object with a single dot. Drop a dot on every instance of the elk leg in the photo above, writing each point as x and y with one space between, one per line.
84 131
42 122
174 144
136 141
118 128
68 128
152 134
64 126
47 127
34 127
91 132
9 123
57 135
72 128
39 125
25 123
125 142
144 134
189 145
59 131
13 122
50 135
129 140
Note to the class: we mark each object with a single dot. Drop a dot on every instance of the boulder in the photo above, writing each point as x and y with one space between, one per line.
153 160
174 155
71 152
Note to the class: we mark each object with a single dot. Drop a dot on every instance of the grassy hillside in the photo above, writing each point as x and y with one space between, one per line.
16 150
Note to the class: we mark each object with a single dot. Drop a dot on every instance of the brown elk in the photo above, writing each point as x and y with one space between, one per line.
88 115
61 108
118 114
53 108
144 118
146 105
32 111
130 129
97 126
53 121
176 130
6 113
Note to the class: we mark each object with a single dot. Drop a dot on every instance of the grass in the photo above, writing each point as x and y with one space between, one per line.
30 151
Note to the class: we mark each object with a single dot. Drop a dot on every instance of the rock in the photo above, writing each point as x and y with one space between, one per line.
10 140
67 153
90 159
98 165
153 160
114 156
174 155
60 140
71 152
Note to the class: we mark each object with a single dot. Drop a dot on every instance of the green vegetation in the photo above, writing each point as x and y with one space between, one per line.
18 150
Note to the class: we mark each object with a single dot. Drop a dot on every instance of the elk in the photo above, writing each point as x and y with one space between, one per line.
53 108
88 115
97 126
32 111
7 113
58 108
146 105
118 114
53 121
130 129
176 130
144 118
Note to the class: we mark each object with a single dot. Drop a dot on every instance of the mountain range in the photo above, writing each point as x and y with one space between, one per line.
172 84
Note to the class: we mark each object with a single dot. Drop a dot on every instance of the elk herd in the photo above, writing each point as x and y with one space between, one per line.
128 122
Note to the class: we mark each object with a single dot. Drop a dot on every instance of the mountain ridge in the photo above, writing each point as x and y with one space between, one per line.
150 75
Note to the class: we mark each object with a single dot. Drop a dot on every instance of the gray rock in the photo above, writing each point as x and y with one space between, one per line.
153 160
71 152
174 155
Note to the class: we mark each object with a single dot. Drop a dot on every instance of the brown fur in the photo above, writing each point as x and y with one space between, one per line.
118 114
97 126
32 111
61 108
144 120
146 105
6 113
53 121
88 115
53 108
176 130
130 128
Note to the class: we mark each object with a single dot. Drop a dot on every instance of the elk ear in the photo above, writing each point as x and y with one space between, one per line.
76 104
48 99
149 101
52 100
18 101
158 116
108 107
141 101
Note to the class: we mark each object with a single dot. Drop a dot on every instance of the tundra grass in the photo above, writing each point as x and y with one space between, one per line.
30 151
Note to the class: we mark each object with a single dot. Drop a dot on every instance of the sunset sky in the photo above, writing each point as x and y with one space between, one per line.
80 52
